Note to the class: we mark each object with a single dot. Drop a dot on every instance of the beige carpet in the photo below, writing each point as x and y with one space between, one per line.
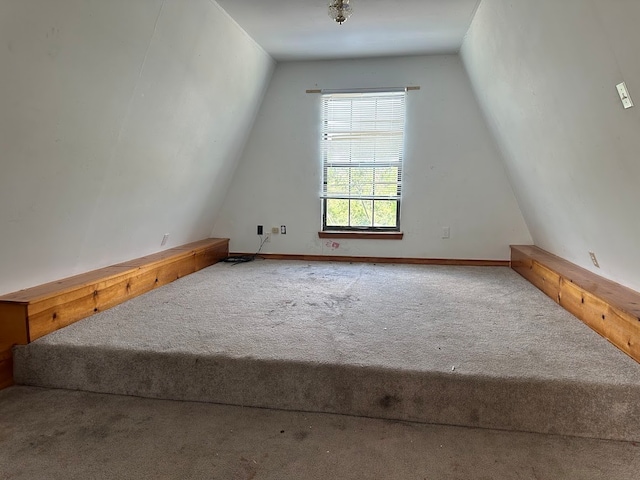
472 346
64 435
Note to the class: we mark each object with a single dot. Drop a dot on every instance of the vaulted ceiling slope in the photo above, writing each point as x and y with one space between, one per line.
302 30
119 122
545 73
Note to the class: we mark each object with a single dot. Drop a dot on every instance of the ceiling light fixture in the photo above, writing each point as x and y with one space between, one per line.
340 10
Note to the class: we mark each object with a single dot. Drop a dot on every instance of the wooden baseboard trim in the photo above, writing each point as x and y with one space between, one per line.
406 261
609 308
29 314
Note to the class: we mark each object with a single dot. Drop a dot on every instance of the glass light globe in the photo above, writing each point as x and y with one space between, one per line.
340 10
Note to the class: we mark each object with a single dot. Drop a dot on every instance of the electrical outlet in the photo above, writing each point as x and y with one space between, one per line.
594 259
164 240
446 232
260 229
267 237
283 229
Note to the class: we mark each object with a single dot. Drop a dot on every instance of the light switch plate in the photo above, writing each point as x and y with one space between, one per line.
623 91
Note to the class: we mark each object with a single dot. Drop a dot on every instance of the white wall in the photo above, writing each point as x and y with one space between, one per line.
545 74
120 121
454 176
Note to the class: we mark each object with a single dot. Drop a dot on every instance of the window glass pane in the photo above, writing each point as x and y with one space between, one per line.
361 181
386 190
386 175
337 213
386 179
385 213
338 180
361 213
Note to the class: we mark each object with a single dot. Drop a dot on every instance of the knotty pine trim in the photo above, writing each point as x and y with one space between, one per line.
611 309
6 366
402 261
32 313
14 330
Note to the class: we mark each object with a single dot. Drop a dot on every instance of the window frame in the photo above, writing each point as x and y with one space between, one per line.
397 198
356 228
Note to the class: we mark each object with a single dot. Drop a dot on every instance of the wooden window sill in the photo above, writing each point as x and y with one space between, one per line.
362 235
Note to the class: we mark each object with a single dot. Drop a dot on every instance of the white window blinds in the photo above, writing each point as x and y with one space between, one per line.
362 150
362 145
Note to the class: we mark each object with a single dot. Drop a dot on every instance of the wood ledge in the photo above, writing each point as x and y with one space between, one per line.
6 366
609 308
31 313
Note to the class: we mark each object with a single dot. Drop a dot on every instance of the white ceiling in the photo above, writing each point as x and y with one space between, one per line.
302 29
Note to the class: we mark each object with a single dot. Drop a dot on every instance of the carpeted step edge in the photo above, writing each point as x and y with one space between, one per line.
527 405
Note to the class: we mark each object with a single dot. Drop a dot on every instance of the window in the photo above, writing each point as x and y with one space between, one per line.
362 149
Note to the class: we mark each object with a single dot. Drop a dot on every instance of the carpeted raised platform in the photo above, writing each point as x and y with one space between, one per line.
468 346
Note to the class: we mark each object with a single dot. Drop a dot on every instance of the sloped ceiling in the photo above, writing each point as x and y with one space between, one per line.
302 30
117 125
545 73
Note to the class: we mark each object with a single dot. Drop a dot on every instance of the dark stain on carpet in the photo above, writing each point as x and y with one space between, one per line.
389 401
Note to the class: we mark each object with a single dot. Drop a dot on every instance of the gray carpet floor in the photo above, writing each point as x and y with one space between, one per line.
472 346
64 435
486 321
